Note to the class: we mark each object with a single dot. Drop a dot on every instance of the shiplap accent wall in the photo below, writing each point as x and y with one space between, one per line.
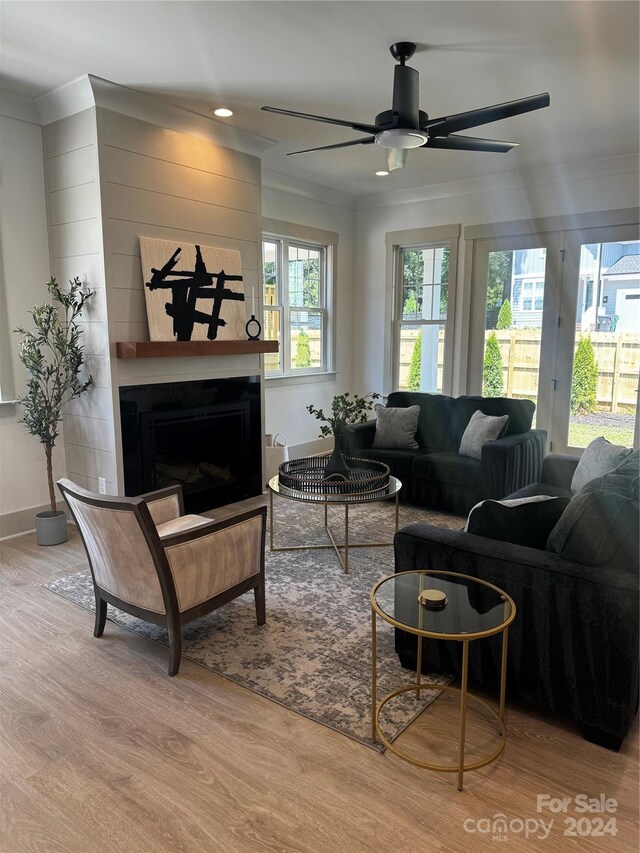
75 244
143 180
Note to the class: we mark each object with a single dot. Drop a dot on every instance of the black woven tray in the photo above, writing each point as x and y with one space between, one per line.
306 475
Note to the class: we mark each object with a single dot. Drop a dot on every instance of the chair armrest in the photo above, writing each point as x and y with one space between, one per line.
512 462
214 557
558 469
164 504
358 437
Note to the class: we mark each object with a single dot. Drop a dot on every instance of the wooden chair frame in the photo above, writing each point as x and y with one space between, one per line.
172 619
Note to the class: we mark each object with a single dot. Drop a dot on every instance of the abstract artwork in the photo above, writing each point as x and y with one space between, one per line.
192 292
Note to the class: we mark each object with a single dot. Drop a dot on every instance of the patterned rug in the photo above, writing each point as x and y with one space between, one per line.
314 654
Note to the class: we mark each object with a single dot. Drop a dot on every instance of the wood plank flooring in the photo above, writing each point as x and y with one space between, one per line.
101 751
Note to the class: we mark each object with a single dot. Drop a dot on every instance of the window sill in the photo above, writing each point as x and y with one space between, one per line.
304 379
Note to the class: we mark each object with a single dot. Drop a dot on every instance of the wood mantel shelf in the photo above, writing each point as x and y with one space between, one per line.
180 349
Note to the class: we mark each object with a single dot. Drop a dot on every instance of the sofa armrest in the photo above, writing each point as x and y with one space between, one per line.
512 462
509 559
558 469
164 504
358 438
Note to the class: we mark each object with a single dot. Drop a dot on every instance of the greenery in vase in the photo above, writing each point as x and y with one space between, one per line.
345 411
53 358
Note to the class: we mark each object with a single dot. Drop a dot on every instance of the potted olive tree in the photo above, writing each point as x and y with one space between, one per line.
345 411
53 357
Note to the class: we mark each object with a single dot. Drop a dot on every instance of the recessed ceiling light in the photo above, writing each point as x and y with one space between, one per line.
382 172
223 112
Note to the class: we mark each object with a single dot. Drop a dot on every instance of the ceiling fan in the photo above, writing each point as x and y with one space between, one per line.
406 126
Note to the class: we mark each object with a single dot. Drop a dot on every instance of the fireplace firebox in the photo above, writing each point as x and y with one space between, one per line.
204 435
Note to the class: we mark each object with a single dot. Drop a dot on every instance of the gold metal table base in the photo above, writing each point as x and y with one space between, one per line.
461 767
338 547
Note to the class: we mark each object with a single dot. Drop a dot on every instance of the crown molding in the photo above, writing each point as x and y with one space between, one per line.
307 189
559 172
18 107
91 91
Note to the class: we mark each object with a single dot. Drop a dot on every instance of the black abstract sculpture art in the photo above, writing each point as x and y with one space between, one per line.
192 285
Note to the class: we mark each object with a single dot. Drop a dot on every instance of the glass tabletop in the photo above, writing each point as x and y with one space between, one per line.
474 608
388 491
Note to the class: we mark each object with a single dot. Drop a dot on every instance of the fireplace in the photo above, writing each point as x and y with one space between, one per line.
204 435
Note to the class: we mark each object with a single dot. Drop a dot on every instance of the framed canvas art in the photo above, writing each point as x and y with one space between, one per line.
192 292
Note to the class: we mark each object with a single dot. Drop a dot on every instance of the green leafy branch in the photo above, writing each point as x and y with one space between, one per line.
345 411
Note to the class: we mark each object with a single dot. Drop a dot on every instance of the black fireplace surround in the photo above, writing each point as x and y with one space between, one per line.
204 435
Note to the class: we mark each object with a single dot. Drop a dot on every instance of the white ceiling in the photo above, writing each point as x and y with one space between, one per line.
332 58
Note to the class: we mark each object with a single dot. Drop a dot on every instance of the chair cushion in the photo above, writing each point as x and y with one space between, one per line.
523 521
546 489
481 429
179 525
448 467
601 524
598 458
396 427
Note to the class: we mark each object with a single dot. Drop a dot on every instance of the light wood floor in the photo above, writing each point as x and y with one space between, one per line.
101 751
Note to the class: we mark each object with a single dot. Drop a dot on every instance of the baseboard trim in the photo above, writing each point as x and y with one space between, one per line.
19 522
311 448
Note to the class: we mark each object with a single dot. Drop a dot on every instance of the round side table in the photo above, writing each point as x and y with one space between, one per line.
474 609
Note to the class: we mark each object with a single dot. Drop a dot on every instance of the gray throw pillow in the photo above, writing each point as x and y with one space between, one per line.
480 429
598 458
396 428
523 521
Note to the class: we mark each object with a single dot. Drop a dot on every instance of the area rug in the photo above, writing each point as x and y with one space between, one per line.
314 654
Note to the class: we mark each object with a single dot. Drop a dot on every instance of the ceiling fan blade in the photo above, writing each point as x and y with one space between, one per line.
470 143
463 121
362 128
367 141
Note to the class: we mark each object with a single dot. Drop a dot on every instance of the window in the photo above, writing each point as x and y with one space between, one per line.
297 300
422 276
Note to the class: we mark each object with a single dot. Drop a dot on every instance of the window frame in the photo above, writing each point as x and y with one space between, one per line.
420 238
327 250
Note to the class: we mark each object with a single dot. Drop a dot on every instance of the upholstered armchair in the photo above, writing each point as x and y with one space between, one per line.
149 559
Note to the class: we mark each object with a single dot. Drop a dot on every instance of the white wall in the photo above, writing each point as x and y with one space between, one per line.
285 399
559 191
25 269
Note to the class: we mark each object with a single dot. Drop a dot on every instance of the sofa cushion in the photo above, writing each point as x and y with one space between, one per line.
481 429
400 462
601 524
448 467
396 427
520 414
434 423
598 458
523 521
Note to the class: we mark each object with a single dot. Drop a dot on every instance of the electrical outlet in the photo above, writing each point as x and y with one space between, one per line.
102 485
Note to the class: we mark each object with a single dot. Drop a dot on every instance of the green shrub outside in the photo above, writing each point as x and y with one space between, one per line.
492 379
413 380
584 383
303 350
505 317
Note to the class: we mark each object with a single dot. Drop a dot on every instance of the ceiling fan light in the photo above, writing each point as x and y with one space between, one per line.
401 138
397 159
223 112
382 173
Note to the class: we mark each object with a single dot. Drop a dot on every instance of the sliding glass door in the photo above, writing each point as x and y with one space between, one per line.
515 299
598 353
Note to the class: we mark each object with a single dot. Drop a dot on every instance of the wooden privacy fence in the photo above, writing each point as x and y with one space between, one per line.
617 355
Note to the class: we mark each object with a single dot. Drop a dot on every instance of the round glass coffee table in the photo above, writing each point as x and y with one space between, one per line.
392 490
473 609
